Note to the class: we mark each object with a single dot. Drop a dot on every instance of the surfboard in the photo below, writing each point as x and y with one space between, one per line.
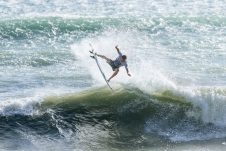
94 56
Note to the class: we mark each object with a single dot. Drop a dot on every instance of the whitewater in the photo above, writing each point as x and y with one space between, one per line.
53 97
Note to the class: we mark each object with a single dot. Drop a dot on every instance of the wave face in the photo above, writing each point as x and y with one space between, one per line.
103 117
52 96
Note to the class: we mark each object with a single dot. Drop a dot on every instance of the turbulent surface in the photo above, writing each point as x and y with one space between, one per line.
52 96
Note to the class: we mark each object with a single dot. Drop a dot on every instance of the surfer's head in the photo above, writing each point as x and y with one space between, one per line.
124 57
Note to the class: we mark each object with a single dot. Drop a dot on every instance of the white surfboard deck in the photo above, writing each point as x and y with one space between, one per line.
99 67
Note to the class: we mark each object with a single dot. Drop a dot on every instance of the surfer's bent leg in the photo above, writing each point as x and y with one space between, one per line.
114 74
103 57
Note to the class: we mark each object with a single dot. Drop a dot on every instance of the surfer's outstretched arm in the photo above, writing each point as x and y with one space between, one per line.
116 47
113 75
127 70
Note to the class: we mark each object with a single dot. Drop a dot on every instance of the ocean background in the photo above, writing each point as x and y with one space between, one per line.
53 97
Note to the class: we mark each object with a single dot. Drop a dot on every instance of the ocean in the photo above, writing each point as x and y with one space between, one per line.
53 97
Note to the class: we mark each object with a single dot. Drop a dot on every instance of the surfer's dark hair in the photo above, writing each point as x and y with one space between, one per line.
124 57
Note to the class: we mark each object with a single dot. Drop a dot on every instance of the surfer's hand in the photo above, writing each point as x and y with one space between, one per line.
116 47
129 74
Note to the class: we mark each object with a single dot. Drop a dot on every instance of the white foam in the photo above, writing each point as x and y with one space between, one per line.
103 45
211 101
23 106
27 104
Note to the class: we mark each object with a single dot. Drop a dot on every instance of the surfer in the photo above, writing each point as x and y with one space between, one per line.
117 63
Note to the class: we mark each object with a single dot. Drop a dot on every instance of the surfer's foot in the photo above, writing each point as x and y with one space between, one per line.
108 80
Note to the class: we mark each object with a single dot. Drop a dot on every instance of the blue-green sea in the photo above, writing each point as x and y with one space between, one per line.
53 97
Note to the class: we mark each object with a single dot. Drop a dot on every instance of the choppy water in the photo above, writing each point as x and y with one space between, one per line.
52 96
